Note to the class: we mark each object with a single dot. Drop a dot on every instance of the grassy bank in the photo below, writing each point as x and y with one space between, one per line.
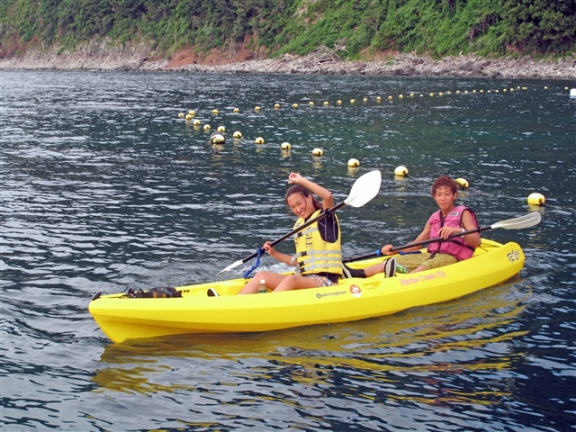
355 29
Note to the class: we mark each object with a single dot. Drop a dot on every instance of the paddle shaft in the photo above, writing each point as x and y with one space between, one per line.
420 243
321 216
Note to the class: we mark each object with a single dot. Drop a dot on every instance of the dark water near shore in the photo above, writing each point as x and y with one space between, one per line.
103 188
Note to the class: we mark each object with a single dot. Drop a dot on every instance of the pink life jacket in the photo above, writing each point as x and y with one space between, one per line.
457 246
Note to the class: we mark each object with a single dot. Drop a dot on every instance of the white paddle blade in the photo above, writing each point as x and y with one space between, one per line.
231 266
525 221
364 189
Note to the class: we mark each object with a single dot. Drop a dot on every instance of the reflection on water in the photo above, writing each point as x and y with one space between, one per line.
105 188
431 346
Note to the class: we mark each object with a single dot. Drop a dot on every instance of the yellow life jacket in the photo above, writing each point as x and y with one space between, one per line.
314 254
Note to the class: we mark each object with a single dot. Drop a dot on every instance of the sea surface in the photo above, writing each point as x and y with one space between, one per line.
104 188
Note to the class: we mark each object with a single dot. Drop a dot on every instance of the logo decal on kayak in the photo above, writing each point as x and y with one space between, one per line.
513 255
329 294
355 290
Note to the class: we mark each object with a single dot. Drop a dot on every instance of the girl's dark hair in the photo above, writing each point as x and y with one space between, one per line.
444 181
305 192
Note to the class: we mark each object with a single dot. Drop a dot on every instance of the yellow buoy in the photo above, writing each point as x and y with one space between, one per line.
237 134
365 100
378 98
401 171
196 122
545 87
259 140
285 146
431 94
457 91
311 103
400 96
338 102
317 152
411 95
214 112
462 183
440 94
276 106
217 138
181 115
352 101
257 108
188 117
326 103
353 162
236 110
390 98
206 127
221 129
295 105
536 199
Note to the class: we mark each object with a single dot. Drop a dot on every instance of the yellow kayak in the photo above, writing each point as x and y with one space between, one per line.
121 317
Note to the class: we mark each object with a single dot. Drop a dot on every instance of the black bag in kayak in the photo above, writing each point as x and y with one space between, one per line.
157 292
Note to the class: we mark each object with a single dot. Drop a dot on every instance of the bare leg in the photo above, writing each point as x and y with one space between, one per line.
294 282
272 281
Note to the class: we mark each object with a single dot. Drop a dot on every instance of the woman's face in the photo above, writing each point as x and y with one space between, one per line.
445 198
300 205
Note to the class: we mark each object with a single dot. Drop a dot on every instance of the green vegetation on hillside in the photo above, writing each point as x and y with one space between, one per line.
354 28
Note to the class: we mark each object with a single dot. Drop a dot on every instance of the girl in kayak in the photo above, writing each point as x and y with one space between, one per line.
450 219
318 257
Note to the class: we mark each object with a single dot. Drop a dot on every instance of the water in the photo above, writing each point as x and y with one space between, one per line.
104 188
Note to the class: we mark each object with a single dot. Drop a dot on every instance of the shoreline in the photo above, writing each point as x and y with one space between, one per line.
321 62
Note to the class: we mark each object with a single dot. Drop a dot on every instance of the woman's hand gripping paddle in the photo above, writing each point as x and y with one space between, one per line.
521 222
363 190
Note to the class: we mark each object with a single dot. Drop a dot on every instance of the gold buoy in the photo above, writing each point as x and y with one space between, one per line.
295 105
181 115
276 106
206 127
462 183
317 152
257 108
536 199
236 110
217 138
353 162
326 103
237 134
401 171
214 112
259 140
285 146
221 129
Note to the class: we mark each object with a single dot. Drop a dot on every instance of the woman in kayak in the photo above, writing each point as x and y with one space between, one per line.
449 220
318 257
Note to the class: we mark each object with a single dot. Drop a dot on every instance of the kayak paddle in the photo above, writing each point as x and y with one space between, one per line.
363 190
521 222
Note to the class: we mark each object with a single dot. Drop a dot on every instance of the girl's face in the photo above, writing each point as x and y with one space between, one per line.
300 205
445 198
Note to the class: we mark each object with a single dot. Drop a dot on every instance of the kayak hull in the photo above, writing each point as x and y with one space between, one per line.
122 318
